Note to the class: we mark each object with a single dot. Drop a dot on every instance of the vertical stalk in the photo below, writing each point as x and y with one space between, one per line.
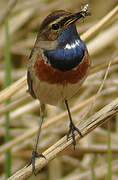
7 83
109 154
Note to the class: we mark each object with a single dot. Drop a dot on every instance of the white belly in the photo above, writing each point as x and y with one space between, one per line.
55 94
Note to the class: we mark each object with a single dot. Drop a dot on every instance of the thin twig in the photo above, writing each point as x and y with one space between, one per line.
8 92
15 104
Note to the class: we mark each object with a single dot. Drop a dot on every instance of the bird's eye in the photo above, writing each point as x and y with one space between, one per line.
55 26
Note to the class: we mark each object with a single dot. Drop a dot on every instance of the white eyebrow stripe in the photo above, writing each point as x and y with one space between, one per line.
73 45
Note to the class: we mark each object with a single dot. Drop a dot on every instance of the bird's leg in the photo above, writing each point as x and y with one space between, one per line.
72 127
35 152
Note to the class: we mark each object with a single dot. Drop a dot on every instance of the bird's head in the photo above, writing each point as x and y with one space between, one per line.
59 41
56 22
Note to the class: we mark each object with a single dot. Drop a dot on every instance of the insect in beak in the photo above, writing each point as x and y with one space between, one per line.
81 14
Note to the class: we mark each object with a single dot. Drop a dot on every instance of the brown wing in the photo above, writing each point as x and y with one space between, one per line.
30 88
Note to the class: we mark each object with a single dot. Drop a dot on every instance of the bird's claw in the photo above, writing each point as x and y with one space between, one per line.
73 128
32 161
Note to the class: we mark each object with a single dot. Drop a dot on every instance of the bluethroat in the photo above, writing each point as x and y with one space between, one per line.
58 65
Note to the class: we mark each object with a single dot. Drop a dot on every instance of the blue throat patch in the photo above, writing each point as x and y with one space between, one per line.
69 52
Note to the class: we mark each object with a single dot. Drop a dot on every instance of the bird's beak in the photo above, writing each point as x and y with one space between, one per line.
74 17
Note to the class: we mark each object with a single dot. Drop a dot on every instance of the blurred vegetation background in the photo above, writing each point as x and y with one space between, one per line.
96 155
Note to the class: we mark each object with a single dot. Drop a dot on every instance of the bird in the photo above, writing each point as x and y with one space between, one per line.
58 65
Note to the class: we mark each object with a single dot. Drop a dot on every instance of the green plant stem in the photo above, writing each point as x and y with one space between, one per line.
109 153
7 83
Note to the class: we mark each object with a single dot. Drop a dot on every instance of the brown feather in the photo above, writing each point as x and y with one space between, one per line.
30 85
45 72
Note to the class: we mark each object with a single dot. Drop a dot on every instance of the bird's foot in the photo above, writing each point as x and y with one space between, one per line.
73 128
33 158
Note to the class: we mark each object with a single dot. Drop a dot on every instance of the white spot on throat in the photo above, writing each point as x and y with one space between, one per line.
72 45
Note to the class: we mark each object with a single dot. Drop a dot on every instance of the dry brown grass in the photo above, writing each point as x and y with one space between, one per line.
100 32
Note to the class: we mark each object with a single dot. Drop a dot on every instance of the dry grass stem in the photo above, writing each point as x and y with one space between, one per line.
103 40
15 104
88 34
8 92
100 171
86 127
7 11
